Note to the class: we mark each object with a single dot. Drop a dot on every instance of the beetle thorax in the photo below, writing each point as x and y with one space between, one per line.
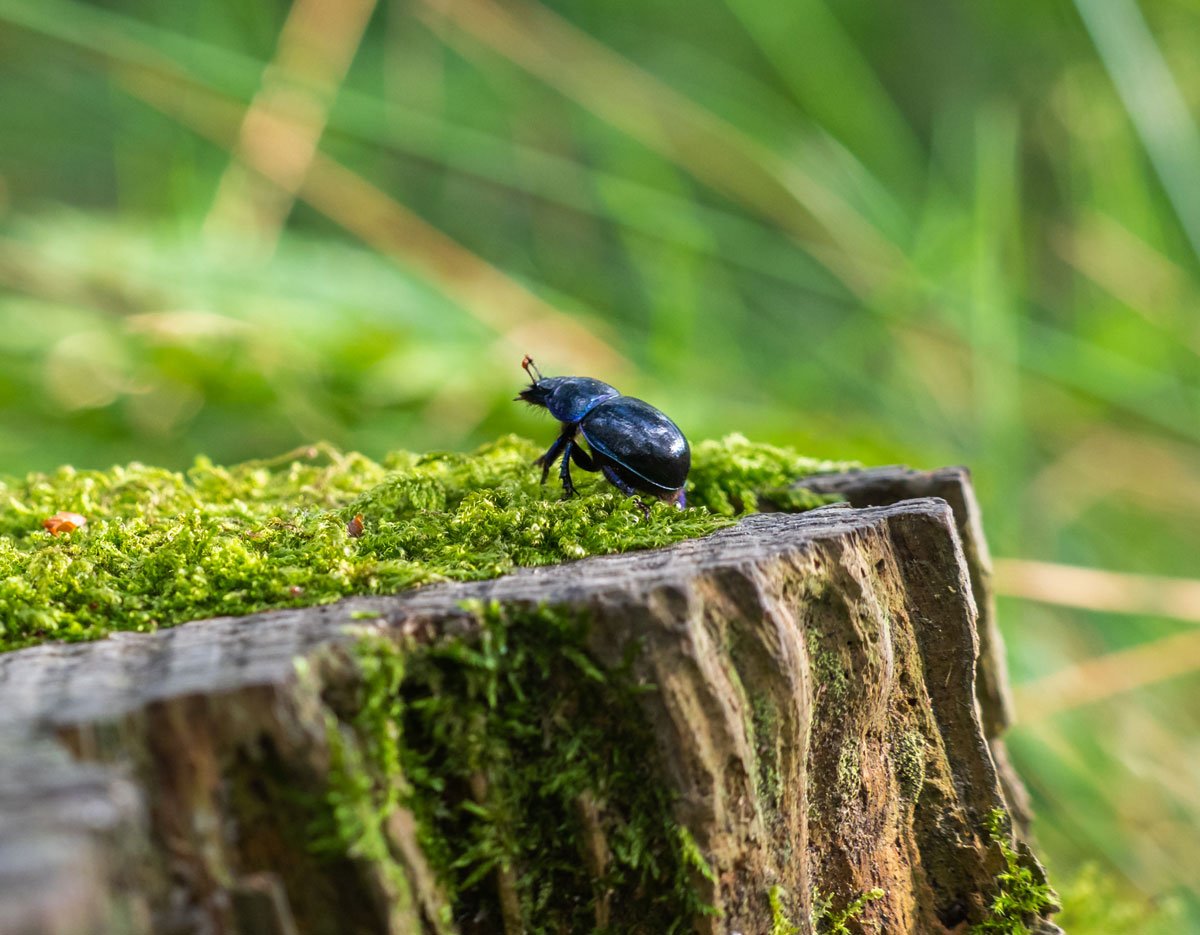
569 399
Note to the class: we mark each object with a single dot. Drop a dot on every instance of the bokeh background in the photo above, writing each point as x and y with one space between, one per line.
932 232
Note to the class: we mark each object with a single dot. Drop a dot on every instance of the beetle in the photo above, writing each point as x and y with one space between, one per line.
635 446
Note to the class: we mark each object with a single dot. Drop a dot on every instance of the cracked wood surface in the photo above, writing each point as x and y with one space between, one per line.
815 711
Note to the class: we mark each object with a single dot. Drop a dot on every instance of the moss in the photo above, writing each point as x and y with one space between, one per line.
162 547
825 920
730 476
780 923
908 758
365 779
521 761
827 666
764 722
1020 897
849 773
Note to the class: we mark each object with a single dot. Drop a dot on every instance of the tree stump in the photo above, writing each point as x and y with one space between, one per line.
819 694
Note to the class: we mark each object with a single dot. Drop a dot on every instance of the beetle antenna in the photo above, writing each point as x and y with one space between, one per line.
531 368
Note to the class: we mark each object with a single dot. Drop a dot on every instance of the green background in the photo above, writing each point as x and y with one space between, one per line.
929 233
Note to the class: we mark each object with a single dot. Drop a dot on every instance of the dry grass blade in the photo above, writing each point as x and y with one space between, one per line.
1103 677
284 123
1095 589
1139 467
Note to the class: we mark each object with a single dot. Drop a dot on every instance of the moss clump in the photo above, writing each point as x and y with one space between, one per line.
780 923
827 666
826 920
764 724
1021 897
849 772
908 758
365 780
531 775
162 547
730 477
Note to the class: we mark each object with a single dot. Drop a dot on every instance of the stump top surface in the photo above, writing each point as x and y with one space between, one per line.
70 683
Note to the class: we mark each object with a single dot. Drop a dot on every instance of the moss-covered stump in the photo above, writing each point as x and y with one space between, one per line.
769 730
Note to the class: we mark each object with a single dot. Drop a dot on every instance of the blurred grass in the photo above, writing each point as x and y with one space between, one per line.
931 234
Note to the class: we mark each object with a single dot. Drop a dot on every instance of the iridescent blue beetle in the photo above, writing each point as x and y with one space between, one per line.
633 444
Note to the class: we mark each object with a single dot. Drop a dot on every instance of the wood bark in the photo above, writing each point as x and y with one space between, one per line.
134 771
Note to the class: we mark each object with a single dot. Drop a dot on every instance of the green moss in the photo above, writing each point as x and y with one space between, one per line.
1020 896
849 773
764 724
365 779
827 666
731 475
908 758
162 547
521 760
825 920
780 923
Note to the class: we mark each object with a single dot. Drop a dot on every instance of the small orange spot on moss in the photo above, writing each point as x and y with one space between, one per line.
64 522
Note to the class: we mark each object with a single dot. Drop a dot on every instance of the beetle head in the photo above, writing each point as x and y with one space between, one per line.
569 399
539 389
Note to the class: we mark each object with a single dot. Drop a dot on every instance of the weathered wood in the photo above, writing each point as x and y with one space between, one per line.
895 483
814 711
63 826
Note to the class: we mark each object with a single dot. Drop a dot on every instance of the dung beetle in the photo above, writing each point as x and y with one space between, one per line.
636 447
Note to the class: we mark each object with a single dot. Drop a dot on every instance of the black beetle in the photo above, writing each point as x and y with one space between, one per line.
635 446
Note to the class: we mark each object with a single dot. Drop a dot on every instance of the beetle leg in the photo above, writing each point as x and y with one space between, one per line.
614 479
564 471
552 454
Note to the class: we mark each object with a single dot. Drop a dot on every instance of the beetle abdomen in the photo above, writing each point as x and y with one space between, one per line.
641 439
